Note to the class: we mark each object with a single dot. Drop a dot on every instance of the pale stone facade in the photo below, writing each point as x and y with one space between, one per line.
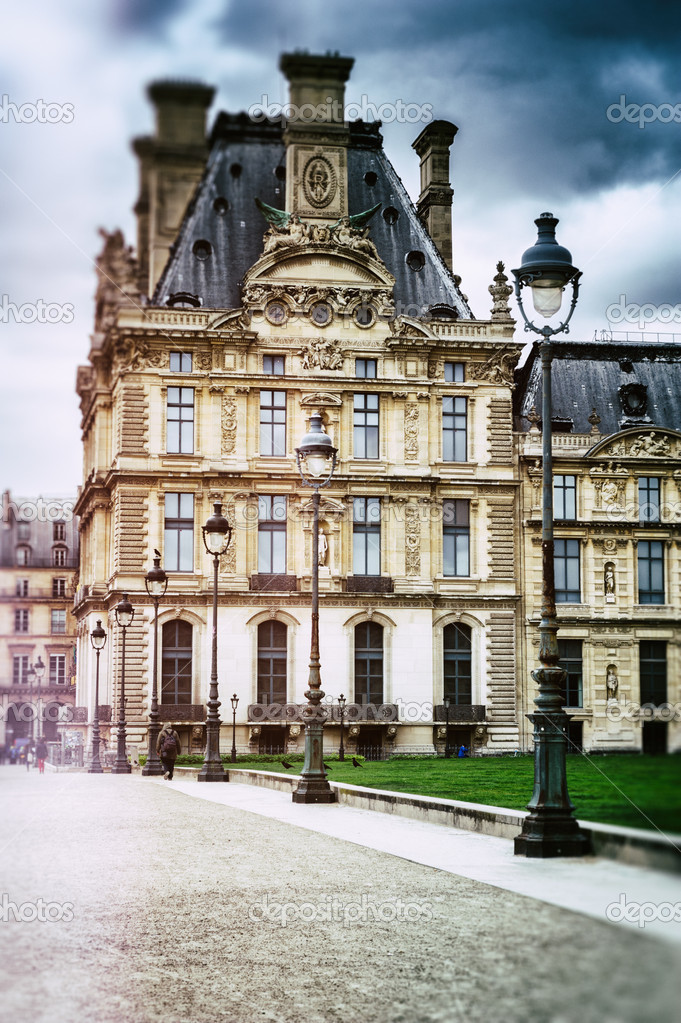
38 568
617 494
201 393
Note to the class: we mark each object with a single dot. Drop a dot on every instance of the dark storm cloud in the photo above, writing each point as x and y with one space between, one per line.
551 75
144 16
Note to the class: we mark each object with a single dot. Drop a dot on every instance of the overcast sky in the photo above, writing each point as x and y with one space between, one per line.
529 90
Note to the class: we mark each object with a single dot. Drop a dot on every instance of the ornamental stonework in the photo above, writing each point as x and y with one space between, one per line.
228 425
319 182
412 541
411 430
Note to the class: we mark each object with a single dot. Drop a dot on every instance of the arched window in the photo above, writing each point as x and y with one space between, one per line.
272 662
368 663
176 663
456 642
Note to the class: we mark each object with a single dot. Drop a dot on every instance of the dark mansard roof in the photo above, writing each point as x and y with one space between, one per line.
248 159
629 383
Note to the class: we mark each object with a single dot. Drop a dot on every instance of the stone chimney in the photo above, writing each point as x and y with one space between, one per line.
435 201
316 135
171 163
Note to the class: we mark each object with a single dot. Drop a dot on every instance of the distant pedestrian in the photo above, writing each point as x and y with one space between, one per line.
12 754
462 752
41 753
168 747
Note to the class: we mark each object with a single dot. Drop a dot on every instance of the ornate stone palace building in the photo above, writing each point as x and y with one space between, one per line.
38 568
280 270
617 512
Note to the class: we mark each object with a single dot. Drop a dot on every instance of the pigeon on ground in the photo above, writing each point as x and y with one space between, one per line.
327 767
355 762
286 764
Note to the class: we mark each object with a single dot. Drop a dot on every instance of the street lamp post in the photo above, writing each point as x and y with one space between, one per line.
39 669
156 582
30 675
125 613
448 750
316 461
341 710
217 533
549 829
98 640
235 703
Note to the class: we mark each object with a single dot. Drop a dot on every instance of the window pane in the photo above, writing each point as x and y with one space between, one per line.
186 550
186 506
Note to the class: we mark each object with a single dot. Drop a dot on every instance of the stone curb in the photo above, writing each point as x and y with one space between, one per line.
633 846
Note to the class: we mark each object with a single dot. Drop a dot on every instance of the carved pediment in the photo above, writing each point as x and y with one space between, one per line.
320 264
638 443
321 399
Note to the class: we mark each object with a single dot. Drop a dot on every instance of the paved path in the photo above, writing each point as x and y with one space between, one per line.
169 901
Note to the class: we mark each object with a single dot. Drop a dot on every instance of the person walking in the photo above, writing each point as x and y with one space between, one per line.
168 747
41 754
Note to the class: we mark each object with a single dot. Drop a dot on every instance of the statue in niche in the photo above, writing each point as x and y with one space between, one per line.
609 581
610 492
323 549
611 682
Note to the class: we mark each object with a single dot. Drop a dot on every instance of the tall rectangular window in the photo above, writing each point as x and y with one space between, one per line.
21 620
273 423
456 531
59 557
570 651
653 671
58 531
59 587
20 670
180 362
23 530
366 536
650 572
57 669
180 420
273 364
649 499
58 621
454 431
566 569
272 535
365 369
179 533
565 497
22 588
454 372
365 426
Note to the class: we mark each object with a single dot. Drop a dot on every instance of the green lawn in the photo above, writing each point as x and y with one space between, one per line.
636 791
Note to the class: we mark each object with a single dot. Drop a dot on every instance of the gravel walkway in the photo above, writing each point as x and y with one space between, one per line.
167 910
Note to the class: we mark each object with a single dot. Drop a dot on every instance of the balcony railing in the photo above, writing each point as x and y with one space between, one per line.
182 712
460 713
263 581
288 713
369 584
